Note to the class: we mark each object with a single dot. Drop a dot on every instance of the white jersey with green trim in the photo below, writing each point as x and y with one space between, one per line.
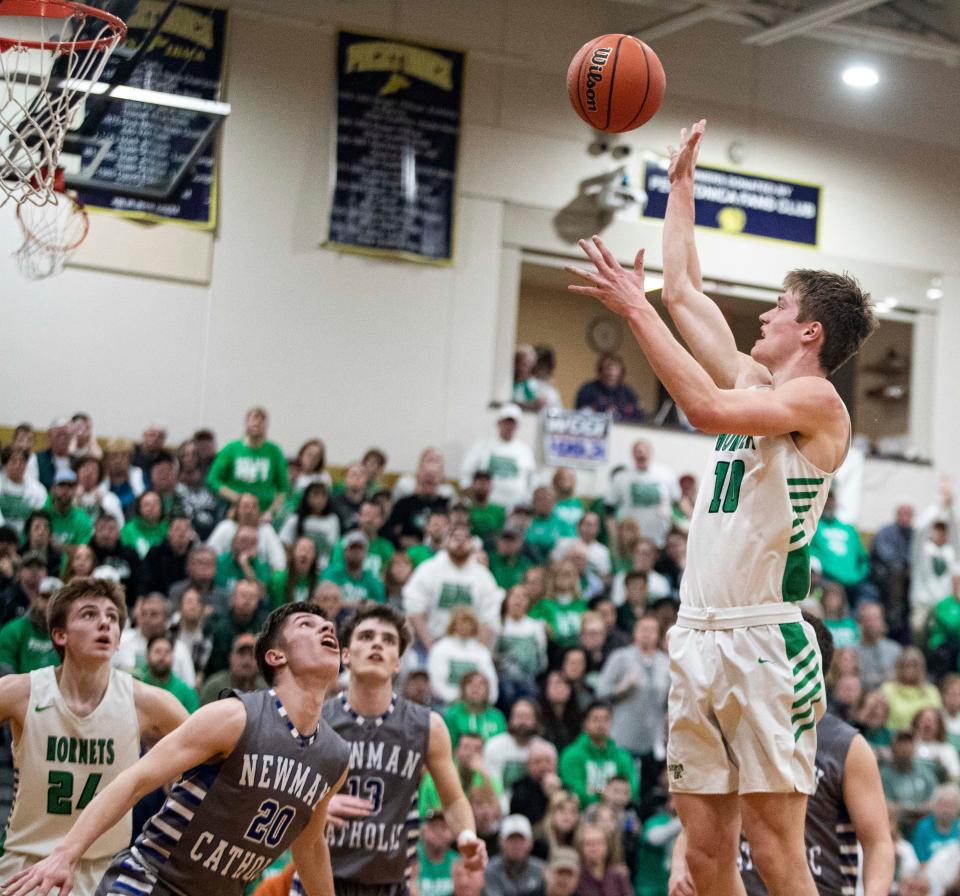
757 509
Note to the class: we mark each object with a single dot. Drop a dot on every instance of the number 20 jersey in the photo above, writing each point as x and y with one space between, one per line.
757 510
63 760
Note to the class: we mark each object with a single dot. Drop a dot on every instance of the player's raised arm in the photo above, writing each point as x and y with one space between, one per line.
211 732
310 852
699 320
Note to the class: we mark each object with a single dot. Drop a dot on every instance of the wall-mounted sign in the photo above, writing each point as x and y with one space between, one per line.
575 438
739 203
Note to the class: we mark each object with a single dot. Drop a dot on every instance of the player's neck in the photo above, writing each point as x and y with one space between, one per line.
303 700
369 698
83 682
803 363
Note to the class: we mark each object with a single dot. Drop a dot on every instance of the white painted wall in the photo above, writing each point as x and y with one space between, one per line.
366 351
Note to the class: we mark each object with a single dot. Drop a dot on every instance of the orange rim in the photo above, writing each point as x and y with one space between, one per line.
60 9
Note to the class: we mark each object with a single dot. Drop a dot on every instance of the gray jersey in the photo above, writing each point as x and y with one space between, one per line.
224 822
387 755
830 837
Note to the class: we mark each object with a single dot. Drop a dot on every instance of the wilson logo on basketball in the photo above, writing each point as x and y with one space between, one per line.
595 74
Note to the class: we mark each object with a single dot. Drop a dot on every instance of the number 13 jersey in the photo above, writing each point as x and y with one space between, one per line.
754 517
63 760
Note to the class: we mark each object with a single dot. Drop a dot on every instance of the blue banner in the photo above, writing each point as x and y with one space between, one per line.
738 203
575 438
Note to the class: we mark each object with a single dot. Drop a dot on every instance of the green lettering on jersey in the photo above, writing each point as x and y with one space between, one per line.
452 594
731 500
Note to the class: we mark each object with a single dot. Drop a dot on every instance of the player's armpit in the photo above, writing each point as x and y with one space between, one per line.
158 712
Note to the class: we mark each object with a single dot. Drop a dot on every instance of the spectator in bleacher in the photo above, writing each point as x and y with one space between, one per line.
92 495
241 561
507 561
195 497
112 552
19 495
459 652
635 681
57 455
81 562
328 597
83 443
205 441
69 524
241 673
837 547
646 494
845 696
573 667
149 449
598 555
950 694
435 856
314 518
531 794
936 552
25 642
942 630
505 755
592 641
151 612
872 720
520 652
356 582
907 781
673 560
599 876
878 654
158 672
346 503
245 614
564 606
931 738
38 538
891 555
836 616
122 479
186 626
246 512
473 774
940 826
608 393
166 563
201 571
251 464
486 519
559 710
146 528
568 508
591 585
515 872
906 862
429 458
509 461
298 581
164 474
24 437
615 637
413 510
559 825
543 533
24 590
374 463
524 393
379 549
426 543
594 758
395 577
312 462
645 556
473 713
454 576
542 378
636 599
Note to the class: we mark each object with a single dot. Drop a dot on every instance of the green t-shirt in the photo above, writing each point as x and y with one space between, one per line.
585 768
429 799
542 535
487 521
418 553
460 720
364 587
568 513
72 527
24 647
846 632
653 862
563 618
262 471
378 556
943 625
187 696
278 588
229 571
141 535
508 573
436 878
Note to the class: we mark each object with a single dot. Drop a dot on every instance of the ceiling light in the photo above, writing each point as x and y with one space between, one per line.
860 76
935 290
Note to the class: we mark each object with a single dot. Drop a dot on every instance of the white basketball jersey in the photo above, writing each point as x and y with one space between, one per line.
756 511
61 761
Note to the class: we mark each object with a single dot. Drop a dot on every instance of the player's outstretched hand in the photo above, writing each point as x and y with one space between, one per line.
342 808
683 161
620 290
474 852
681 885
52 873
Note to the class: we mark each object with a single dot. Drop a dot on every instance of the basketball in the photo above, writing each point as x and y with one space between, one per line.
615 83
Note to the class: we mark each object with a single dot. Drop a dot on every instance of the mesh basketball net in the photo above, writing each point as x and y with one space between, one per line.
51 233
52 52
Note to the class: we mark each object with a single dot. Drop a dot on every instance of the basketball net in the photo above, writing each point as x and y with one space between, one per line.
52 52
51 233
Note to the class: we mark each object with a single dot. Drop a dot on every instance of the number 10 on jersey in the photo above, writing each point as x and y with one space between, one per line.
727 478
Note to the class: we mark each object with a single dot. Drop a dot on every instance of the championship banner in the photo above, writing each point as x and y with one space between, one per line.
398 131
142 144
575 438
738 203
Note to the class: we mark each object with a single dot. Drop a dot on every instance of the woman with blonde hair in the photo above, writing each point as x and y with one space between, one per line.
599 876
81 561
559 825
460 652
563 607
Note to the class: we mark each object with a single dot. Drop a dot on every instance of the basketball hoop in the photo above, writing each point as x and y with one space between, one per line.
51 232
52 53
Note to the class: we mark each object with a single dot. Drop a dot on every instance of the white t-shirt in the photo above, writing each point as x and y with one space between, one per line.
437 586
511 466
646 496
269 547
132 655
323 531
105 500
19 499
942 868
451 658
657 586
506 761
598 555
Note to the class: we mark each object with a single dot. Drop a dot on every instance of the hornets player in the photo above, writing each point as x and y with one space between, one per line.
746 684
256 773
75 728
392 741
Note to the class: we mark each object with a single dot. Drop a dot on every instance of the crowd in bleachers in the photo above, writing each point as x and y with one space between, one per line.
539 617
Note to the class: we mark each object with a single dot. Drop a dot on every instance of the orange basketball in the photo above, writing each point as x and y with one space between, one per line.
615 83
